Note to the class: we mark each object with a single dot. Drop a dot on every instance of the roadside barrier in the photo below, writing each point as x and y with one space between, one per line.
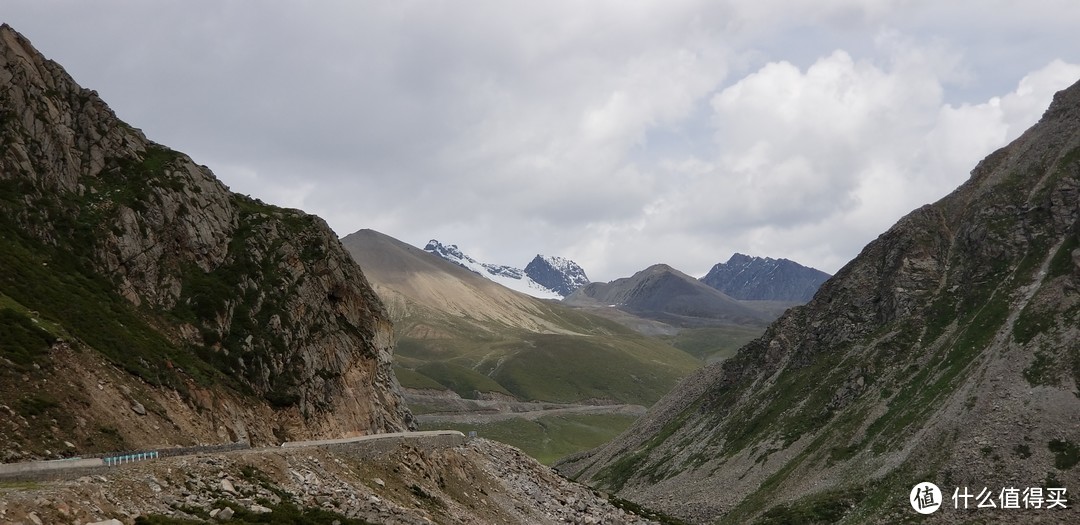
129 458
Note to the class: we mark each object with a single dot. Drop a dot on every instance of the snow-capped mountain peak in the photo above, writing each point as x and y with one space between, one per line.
557 273
544 277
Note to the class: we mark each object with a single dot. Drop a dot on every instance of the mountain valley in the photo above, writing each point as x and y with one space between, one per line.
153 317
175 352
945 352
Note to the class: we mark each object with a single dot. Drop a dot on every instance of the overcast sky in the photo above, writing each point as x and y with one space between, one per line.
617 133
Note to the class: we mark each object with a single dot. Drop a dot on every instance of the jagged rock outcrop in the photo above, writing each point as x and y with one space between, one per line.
553 275
251 312
556 273
945 352
765 279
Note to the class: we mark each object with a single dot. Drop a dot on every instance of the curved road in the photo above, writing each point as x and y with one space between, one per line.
62 468
371 437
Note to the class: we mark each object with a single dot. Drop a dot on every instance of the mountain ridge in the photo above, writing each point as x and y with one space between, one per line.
765 279
944 352
545 277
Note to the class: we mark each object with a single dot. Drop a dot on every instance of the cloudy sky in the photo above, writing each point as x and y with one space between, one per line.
618 133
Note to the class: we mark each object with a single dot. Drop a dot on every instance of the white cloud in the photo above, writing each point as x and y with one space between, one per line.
811 164
620 133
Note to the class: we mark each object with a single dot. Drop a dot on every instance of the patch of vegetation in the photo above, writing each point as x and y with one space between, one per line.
1043 371
936 377
465 381
615 475
829 507
795 405
609 362
281 514
253 475
550 437
65 288
1022 451
410 378
844 453
1066 453
566 368
645 512
23 343
36 404
631 464
1062 263
714 344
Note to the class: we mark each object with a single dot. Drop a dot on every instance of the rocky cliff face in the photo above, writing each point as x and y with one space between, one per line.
765 279
945 352
557 274
248 312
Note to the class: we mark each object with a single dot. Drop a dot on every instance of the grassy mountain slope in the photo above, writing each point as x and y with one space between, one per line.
945 352
487 338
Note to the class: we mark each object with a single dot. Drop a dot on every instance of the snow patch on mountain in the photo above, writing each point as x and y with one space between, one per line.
513 278
556 273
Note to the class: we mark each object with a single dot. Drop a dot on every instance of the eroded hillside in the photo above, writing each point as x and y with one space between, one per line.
148 304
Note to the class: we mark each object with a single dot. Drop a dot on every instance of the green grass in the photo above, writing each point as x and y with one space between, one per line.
23 342
828 507
715 343
466 382
285 513
551 437
613 363
66 291
410 378
564 368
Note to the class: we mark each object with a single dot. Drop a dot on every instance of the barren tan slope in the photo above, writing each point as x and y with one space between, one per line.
407 277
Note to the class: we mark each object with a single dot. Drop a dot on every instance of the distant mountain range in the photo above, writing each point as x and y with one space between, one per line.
663 293
742 277
765 279
458 329
544 277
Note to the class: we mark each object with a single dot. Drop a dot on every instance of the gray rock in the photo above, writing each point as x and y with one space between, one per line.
227 486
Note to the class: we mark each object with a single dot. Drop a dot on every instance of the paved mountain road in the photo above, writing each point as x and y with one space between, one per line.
77 467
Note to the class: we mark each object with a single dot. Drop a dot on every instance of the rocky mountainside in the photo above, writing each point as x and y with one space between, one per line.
549 277
457 330
142 302
407 483
945 352
666 294
558 274
765 279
